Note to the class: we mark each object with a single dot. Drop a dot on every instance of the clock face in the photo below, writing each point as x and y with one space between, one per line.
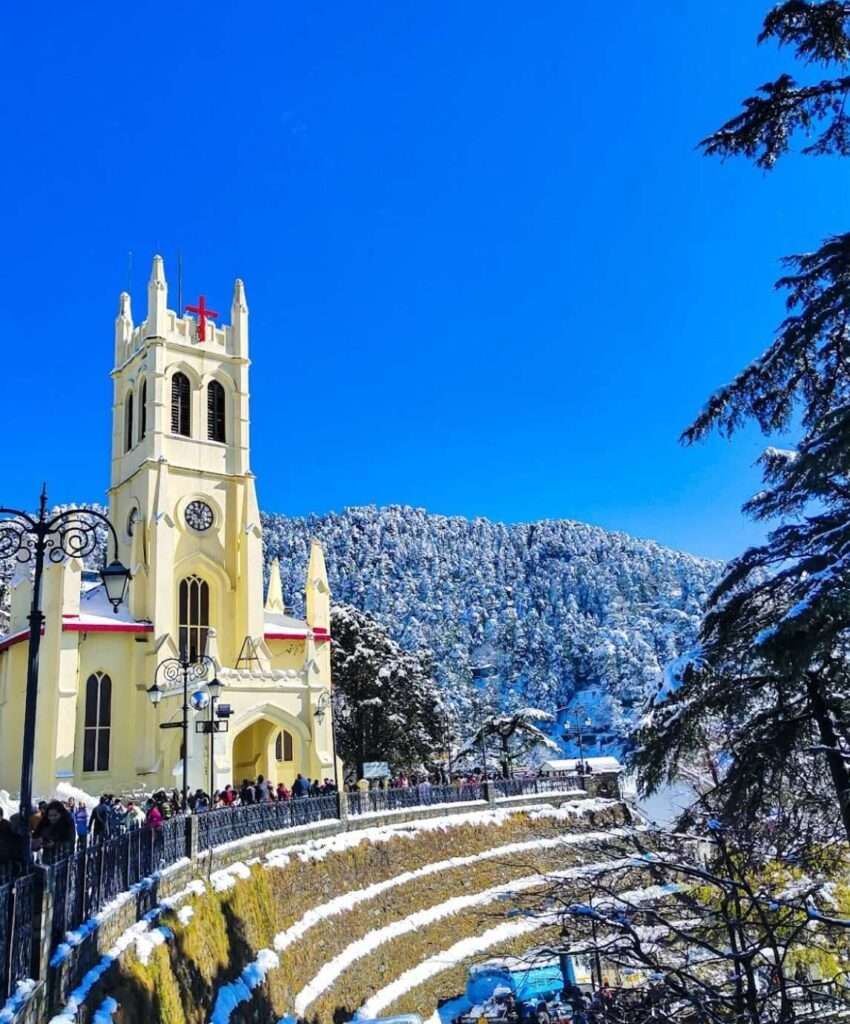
199 515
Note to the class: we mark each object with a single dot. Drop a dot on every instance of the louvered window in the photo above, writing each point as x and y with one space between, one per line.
194 601
143 410
180 398
98 722
215 411
128 422
283 746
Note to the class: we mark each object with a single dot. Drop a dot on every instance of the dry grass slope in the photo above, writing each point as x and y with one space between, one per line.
179 983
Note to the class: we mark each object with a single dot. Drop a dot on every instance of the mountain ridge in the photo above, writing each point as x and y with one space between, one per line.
564 607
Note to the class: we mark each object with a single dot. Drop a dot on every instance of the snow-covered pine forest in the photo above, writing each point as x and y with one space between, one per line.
567 609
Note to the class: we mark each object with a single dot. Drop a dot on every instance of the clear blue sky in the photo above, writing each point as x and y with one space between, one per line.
483 228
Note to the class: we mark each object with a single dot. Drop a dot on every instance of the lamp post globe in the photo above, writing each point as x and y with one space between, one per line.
215 686
115 578
200 700
154 694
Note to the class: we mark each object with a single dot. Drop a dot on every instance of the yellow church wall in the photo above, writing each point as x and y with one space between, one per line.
286 654
13 670
115 655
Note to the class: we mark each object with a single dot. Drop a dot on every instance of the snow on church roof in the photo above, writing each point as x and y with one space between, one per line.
286 627
96 615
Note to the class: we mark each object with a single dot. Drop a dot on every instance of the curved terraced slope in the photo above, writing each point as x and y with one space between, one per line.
358 920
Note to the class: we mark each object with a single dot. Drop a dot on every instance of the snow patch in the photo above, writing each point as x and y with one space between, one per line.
185 915
226 878
239 991
23 990
105 1012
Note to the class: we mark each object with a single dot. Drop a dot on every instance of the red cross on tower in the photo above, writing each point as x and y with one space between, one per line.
203 313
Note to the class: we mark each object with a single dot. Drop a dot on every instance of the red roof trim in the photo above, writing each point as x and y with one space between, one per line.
107 627
269 635
15 638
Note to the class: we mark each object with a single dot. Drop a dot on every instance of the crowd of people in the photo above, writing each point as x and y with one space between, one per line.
60 826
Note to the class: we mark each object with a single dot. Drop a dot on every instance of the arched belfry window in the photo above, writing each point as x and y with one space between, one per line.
215 411
283 746
98 722
143 410
194 613
128 422
181 397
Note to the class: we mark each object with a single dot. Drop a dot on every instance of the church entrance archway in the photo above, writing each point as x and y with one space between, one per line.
268 748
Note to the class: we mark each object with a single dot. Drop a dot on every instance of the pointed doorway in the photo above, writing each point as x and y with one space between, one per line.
266 748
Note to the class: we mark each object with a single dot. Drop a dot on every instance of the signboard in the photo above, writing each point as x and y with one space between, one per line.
376 770
207 726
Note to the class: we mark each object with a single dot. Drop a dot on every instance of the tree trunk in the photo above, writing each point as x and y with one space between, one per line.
837 764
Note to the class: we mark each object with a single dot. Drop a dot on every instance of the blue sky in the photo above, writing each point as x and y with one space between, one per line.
483 228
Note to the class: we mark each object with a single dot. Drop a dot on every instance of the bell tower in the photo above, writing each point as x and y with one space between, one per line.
182 493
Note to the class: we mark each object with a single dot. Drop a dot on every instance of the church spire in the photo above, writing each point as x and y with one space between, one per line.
157 299
274 596
123 328
318 593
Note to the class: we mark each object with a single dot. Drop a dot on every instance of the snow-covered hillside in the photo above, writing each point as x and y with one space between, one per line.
564 606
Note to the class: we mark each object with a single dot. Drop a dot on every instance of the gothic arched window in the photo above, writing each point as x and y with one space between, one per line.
194 621
283 746
128 422
215 411
98 722
181 397
143 410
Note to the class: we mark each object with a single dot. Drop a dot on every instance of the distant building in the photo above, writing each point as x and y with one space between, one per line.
183 501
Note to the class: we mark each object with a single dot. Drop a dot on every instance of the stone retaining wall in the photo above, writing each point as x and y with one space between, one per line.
53 991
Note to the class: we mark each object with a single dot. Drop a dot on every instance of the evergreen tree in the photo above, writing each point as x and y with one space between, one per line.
516 734
771 664
387 707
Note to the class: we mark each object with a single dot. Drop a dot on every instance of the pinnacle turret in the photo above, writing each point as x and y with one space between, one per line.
157 299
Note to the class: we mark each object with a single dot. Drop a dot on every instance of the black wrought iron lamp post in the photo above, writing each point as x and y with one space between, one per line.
579 715
324 706
70 533
482 670
212 726
172 670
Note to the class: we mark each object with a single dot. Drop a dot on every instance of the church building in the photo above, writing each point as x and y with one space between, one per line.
183 503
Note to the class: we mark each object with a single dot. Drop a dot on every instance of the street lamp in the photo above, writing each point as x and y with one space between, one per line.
324 705
187 669
483 668
579 713
67 534
214 688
